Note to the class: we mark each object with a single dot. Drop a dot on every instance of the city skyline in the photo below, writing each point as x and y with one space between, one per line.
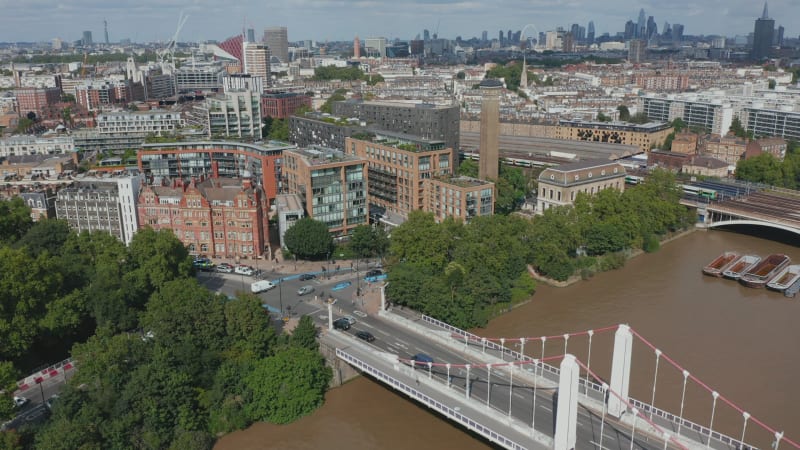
152 21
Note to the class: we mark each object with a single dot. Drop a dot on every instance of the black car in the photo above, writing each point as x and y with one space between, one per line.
374 273
307 276
365 335
341 324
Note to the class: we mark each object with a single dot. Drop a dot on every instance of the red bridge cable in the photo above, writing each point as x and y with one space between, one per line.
706 387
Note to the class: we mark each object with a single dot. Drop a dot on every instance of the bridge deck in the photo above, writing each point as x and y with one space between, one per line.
763 206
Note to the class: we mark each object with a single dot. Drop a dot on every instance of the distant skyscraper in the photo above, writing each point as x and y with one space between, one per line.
779 36
105 30
641 24
357 47
426 35
87 38
251 35
485 36
590 33
652 28
677 33
762 35
501 38
278 43
510 38
630 30
575 29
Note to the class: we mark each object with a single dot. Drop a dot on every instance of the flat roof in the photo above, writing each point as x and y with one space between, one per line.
524 147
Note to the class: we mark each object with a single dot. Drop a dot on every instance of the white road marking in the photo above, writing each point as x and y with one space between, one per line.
546 408
598 445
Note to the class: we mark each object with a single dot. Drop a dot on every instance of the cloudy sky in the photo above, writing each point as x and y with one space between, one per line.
156 20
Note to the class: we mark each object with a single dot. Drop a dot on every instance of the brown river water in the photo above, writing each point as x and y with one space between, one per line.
742 342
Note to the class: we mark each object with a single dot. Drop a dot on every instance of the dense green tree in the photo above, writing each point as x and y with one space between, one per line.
763 168
639 117
468 168
624 113
15 219
45 235
8 379
422 242
605 238
279 130
603 118
309 238
248 328
305 334
287 386
327 107
368 241
183 311
737 128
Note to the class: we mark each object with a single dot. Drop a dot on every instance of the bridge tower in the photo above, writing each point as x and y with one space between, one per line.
567 406
620 371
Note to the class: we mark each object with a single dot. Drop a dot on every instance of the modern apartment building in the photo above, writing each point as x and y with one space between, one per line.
322 130
256 61
234 113
102 204
332 185
458 197
243 82
427 121
181 160
398 165
645 136
33 145
784 123
142 123
711 114
191 79
559 185
221 217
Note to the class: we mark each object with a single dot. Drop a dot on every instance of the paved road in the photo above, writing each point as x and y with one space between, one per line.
395 339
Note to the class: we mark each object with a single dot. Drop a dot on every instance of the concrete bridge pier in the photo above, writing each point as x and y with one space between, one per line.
567 406
620 371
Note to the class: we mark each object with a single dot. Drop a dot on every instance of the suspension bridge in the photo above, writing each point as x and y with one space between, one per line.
513 393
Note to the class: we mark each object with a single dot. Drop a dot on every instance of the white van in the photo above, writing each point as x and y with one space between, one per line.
261 286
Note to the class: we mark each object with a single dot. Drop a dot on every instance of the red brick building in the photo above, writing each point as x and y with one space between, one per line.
36 99
217 217
282 105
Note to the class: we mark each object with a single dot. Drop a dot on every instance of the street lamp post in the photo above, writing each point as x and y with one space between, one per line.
280 295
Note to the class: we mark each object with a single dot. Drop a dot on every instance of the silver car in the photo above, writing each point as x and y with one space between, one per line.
305 290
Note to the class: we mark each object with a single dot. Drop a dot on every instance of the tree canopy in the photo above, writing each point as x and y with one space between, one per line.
308 238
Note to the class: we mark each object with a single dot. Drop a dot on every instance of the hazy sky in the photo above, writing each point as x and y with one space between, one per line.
156 20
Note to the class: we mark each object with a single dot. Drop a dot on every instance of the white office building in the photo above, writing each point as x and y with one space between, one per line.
143 123
32 145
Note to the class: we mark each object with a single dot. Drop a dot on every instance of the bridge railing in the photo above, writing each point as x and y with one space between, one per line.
474 339
588 386
421 397
680 421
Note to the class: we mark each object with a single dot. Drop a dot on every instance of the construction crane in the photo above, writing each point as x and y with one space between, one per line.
167 54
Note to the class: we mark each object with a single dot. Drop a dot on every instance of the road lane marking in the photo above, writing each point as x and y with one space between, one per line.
598 445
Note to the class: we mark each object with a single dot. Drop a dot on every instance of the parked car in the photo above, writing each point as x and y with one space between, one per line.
374 273
225 268
350 319
341 324
365 335
244 270
305 290
307 276
19 402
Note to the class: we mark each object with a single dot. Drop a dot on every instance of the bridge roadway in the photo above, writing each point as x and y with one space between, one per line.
396 337
761 206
